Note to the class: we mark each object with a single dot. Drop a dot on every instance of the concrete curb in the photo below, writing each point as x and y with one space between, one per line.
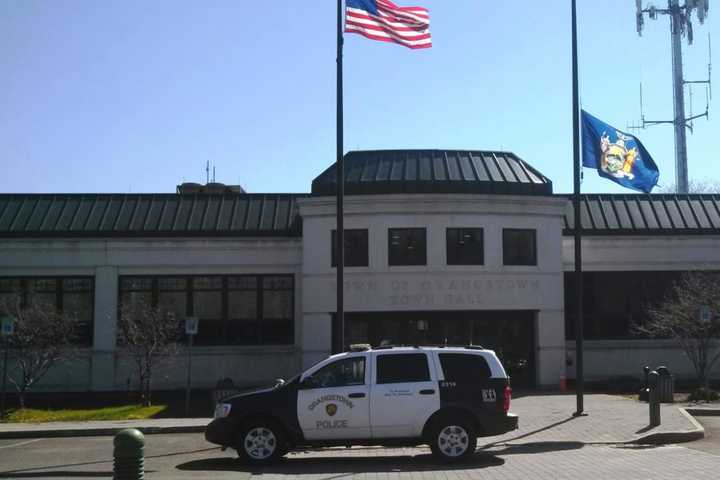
97 432
661 438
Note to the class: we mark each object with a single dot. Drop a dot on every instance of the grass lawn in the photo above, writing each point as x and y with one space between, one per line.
118 412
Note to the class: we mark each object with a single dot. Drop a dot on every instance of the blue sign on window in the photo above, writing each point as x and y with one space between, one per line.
6 326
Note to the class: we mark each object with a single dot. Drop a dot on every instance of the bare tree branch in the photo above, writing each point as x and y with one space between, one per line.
694 186
148 337
43 337
677 317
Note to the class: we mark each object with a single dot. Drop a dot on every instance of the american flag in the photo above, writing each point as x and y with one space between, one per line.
383 20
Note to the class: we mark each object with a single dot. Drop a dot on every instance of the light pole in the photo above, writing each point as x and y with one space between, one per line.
191 329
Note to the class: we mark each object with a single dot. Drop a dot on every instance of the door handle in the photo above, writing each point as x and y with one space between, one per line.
357 395
429 391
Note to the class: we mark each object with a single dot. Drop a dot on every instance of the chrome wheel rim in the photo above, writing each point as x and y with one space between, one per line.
260 443
453 441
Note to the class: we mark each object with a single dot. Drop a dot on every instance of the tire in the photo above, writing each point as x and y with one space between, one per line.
260 442
453 439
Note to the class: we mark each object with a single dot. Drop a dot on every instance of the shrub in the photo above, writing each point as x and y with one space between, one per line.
703 395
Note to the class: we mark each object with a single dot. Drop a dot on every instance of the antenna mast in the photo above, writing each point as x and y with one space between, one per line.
680 24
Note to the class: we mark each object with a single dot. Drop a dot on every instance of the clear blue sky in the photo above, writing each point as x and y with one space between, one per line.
135 95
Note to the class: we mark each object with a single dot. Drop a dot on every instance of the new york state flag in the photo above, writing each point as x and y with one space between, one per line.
616 155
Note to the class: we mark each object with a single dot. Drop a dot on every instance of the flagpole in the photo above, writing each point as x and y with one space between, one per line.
579 376
340 235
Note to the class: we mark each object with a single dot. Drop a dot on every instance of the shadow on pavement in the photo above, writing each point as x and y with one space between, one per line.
525 435
645 429
57 473
344 464
534 447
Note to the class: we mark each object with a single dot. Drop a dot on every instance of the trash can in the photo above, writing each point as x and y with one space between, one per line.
666 385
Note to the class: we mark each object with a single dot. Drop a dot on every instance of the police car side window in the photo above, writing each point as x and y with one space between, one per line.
342 373
402 368
464 368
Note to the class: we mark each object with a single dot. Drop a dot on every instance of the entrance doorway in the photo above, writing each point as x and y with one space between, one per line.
510 333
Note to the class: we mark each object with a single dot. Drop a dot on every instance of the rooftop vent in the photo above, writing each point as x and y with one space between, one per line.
190 188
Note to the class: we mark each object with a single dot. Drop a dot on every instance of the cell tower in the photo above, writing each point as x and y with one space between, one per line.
680 25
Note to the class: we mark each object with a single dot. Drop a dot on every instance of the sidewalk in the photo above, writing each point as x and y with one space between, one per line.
610 419
543 418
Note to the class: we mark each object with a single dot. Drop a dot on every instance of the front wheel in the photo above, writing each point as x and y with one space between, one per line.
453 440
260 443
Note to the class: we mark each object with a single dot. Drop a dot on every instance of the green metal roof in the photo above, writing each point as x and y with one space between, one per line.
434 171
110 215
217 215
639 214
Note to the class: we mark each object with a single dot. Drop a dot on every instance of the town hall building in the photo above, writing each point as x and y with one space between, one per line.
441 247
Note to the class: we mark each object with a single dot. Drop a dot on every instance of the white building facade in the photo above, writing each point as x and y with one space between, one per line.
449 247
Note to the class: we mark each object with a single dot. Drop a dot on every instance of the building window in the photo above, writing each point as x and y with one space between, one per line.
243 310
71 295
10 288
172 295
407 246
356 248
209 308
614 302
464 246
277 310
519 247
136 291
232 309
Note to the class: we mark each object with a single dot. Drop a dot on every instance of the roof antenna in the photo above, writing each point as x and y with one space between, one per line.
207 171
213 173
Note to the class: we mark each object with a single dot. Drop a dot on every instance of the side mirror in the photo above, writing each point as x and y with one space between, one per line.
279 382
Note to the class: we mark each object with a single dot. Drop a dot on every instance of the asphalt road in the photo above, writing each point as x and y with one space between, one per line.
183 456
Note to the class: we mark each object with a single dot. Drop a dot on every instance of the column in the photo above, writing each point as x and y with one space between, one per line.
105 328
550 351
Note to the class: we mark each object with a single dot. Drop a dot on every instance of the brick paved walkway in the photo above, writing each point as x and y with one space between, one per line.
610 419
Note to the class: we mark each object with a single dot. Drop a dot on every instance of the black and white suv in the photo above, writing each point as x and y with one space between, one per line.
442 396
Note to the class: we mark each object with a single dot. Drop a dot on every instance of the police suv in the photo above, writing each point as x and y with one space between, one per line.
399 396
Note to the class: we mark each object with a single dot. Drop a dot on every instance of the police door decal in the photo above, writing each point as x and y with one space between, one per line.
330 410
333 402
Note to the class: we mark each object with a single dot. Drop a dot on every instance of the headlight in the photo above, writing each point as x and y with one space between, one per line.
222 410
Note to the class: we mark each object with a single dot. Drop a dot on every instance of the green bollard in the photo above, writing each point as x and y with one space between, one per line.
129 453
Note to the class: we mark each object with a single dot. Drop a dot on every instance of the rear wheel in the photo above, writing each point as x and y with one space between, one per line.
453 440
260 442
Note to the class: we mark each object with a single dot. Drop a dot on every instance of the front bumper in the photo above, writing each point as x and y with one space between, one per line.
221 431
